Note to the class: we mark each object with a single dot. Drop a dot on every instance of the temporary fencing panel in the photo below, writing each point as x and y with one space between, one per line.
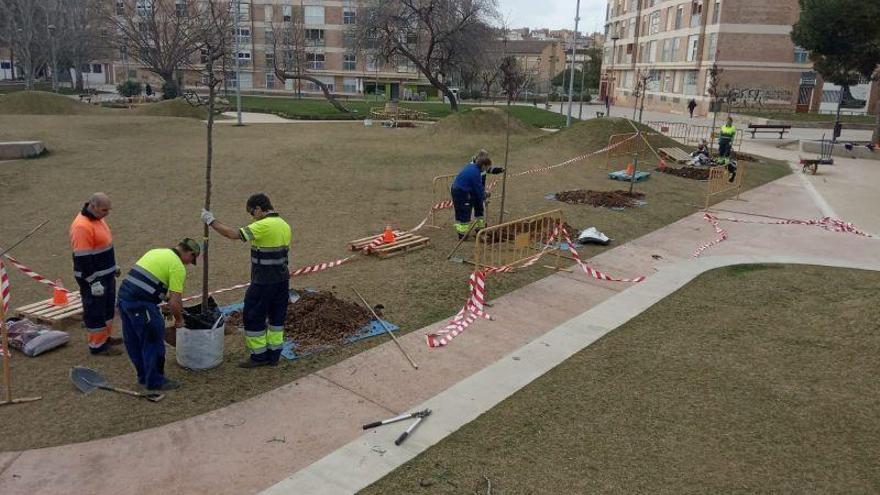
719 182
519 241
630 144
440 187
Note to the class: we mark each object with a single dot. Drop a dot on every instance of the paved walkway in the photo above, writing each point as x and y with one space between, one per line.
254 445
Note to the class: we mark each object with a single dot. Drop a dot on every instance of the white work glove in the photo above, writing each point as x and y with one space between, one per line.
207 217
97 289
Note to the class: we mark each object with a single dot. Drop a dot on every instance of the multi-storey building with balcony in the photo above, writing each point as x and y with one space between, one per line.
675 44
331 56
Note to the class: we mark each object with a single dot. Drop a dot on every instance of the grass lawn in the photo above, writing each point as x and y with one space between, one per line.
333 182
318 109
713 390
811 117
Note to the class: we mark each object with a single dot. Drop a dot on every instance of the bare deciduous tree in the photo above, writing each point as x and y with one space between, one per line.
292 59
160 34
436 36
81 34
24 24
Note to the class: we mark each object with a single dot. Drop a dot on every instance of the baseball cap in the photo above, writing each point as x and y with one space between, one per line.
193 246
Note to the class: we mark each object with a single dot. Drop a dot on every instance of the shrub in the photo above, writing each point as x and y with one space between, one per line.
169 90
130 88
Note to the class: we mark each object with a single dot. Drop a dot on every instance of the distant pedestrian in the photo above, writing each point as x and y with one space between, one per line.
148 90
691 106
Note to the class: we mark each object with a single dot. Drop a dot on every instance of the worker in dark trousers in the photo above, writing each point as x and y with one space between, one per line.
159 275
95 271
469 193
267 297
725 138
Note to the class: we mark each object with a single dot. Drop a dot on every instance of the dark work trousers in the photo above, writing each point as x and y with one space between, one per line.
264 314
98 311
464 202
724 147
143 331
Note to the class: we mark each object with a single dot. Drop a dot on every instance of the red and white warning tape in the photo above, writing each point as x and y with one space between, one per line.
32 274
474 308
826 223
4 287
592 272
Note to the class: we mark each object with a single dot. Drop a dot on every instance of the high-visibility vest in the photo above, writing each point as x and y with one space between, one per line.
92 246
270 248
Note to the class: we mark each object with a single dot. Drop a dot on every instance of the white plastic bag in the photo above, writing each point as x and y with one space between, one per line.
201 349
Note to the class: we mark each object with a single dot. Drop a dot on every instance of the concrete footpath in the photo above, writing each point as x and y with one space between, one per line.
288 440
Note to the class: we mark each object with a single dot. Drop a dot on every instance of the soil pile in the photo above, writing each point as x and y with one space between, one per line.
481 121
687 172
319 319
44 103
177 107
608 199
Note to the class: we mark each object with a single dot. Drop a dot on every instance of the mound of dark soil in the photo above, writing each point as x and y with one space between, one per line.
608 199
687 172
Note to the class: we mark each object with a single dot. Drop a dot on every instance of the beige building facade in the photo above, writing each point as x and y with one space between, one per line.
674 44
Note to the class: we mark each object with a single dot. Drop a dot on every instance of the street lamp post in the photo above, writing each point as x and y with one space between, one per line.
237 63
577 18
610 77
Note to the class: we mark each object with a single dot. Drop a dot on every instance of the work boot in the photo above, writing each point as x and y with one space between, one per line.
107 351
169 384
250 363
114 341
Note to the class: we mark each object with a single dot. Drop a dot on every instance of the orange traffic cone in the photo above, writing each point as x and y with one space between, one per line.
630 169
59 295
388 236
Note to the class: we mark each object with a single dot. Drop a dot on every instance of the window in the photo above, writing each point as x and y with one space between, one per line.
244 35
653 81
652 51
349 16
667 81
712 49
655 22
270 37
244 56
120 7
696 12
349 85
270 59
310 86
86 68
676 46
716 12
690 82
679 16
372 64
287 13
801 56
314 37
144 7
314 14
349 62
667 48
97 68
669 18
5 65
693 42
270 81
244 11
267 13
315 61
180 8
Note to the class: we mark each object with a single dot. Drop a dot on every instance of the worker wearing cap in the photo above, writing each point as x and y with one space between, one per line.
159 275
95 271
266 299
725 138
469 193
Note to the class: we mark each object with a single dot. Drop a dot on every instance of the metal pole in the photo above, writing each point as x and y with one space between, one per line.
583 78
609 93
577 18
237 63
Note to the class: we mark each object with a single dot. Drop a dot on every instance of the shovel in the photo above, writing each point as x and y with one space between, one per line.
88 380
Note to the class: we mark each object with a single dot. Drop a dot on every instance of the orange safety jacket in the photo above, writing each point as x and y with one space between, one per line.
92 245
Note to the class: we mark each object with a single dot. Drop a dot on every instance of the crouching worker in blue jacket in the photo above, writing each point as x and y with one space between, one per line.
469 193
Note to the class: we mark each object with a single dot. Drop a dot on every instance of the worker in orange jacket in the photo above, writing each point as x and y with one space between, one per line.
95 271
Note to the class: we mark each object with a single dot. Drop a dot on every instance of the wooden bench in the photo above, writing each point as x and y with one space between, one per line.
756 128
46 312
677 155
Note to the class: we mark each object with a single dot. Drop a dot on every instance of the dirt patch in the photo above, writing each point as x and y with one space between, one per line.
481 120
608 199
319 319
686 172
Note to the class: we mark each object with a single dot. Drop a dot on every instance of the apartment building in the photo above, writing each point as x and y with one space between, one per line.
675 44
543 60
330 53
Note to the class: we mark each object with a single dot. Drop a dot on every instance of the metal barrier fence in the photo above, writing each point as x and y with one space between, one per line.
632 146
690 133
516 241
440 187
719 182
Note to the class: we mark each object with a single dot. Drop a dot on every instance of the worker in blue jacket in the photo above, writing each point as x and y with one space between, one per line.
469 193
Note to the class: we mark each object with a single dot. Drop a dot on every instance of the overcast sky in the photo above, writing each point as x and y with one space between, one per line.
553 14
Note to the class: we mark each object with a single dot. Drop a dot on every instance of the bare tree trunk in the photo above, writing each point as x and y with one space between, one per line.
324 88
79 77
876 138
212 96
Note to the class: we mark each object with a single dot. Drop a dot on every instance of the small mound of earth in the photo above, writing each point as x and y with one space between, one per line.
320 319
608 199
687 172
481 120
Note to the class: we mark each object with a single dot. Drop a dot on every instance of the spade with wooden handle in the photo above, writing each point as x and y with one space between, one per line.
88 380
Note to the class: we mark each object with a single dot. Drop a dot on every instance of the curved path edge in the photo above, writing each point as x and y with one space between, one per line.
373 455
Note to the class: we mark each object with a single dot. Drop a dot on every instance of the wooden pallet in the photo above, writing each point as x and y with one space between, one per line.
403 243
678 155
47 312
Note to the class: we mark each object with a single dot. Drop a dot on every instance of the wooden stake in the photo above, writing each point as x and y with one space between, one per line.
7 371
